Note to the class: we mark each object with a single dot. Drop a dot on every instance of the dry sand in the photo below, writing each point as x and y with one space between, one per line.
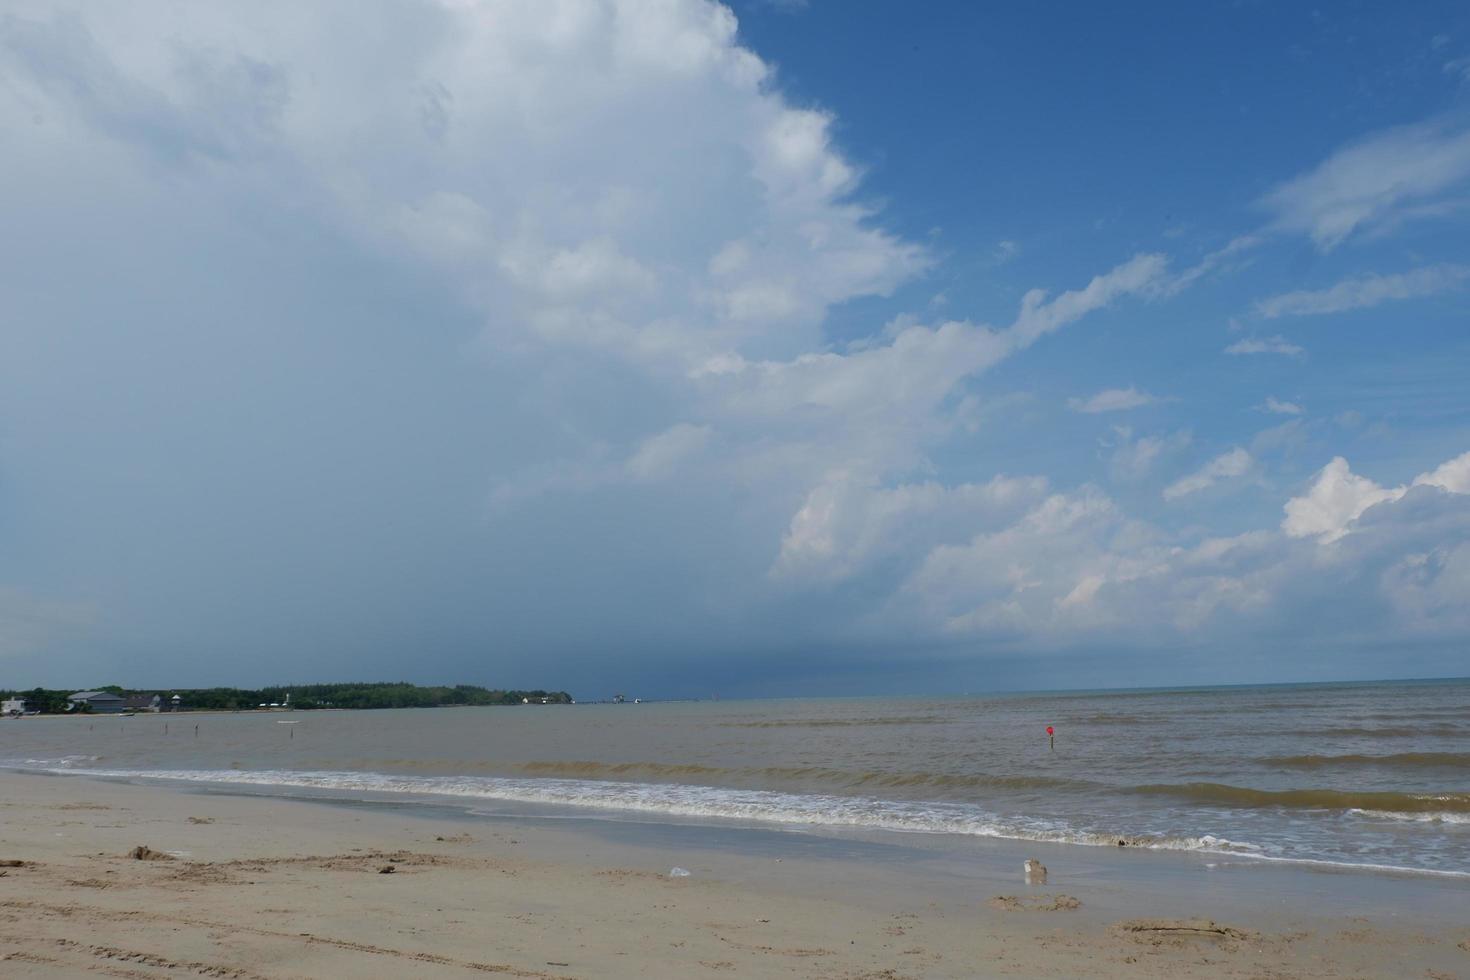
256 887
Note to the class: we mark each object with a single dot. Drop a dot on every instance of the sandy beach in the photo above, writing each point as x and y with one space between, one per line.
234 886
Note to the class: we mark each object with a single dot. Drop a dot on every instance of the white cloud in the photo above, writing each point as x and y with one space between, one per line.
1338 497
1265 345
1133 459
613 243
869 411
1366 291
1075 569
1235 463
847 524
1278 407
1453 475
1378 180
1112 400
1222 258
599 206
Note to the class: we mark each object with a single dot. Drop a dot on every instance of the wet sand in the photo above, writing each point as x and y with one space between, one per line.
264 887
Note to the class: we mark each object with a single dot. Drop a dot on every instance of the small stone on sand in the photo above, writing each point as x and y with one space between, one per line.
145 853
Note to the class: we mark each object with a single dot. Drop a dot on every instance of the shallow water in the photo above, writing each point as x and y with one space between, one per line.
1358 774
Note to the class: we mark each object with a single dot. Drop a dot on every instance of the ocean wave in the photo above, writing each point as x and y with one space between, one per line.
1428 817
1313 799
844 778
751 806
1387 731
64 762
676 800
1408 760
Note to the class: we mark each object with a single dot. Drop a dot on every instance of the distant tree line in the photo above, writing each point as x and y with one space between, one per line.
308 696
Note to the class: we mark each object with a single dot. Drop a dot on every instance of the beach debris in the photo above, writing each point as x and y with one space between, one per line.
13 863
201 819
145 853
1035 872
387 869
1036 903
679 873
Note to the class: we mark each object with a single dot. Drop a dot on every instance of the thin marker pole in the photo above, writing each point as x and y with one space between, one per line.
1052 737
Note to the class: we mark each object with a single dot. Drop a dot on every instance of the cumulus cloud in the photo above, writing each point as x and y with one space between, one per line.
409 325
460 288
1265 345
1389 176
1235 463
1366 291
466 151
1112 400
1453 475
1338 497
1076 566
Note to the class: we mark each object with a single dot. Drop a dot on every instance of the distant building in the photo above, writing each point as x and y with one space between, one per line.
143 702
12 707
98 702
175 703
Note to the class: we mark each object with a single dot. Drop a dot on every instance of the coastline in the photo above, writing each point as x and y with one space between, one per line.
267 886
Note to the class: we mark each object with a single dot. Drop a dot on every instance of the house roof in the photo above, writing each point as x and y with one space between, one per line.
94 696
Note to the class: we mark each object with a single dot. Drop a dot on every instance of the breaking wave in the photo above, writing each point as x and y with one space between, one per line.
815 810
761 806
836 778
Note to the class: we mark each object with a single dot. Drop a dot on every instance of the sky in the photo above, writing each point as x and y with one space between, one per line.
687 349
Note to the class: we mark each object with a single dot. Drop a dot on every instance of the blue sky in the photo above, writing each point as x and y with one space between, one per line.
773 347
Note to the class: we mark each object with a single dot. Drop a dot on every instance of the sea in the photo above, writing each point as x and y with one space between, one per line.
1367 776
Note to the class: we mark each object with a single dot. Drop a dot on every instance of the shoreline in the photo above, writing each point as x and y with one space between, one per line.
273 886
422 791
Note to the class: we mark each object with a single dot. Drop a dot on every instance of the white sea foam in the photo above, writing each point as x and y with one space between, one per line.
677 800
1432 817
707 802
